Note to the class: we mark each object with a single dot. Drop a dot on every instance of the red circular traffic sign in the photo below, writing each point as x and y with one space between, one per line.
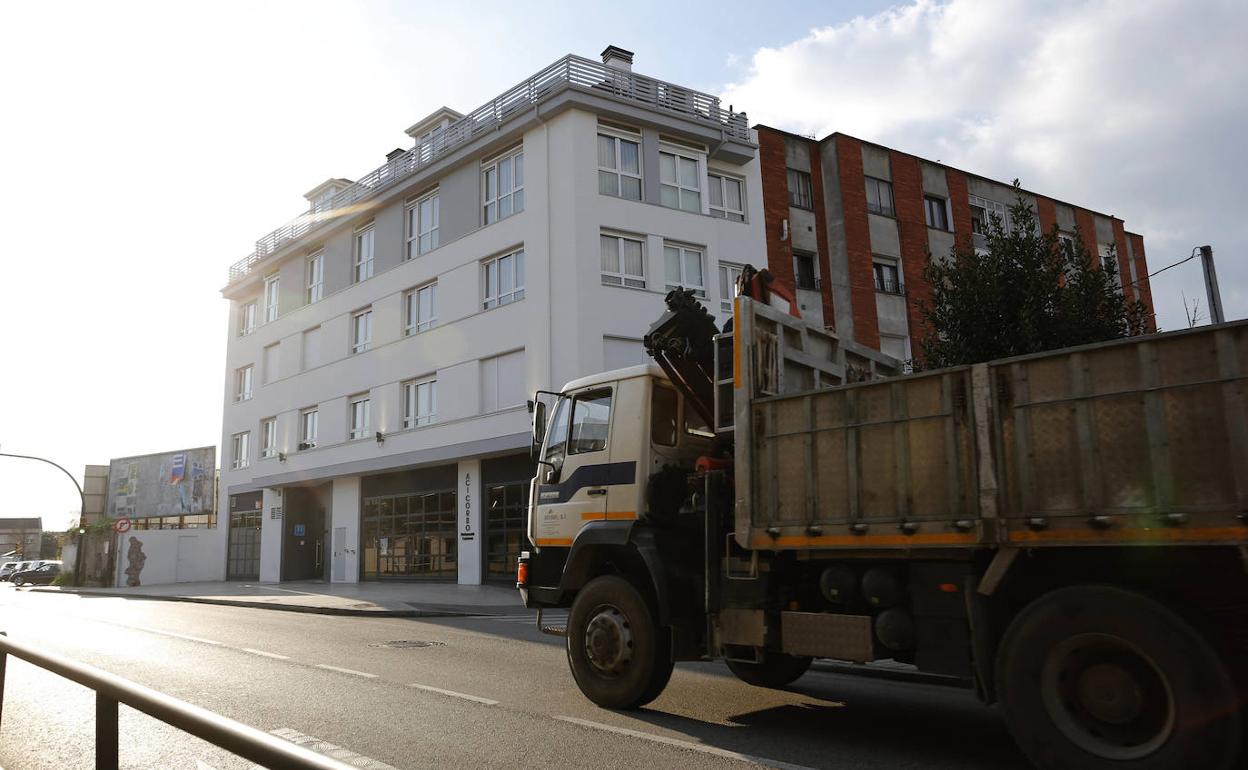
122 525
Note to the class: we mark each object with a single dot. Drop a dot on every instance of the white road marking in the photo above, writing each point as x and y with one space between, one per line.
265 654
688 745
174 635
331 750
453 694
346 671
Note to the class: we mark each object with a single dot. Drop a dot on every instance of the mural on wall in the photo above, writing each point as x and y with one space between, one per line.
137 558
166 484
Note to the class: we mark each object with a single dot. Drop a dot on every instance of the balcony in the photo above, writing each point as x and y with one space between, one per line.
568 72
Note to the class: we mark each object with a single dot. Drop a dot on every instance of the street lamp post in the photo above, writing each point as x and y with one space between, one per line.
82 510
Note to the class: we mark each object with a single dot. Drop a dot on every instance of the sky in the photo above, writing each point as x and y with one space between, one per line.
146 146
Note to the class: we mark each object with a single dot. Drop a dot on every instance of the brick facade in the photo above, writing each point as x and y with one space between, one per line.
912 235
1087 229
1046 210
960 202
779 257
857 241
821 234
1141 272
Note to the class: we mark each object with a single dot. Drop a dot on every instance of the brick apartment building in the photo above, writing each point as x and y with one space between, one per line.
850 224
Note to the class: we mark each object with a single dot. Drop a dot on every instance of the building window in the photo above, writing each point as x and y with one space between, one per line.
316 277
271 363
271 286
360 417
241 450
420 309
887 278
308 423
879 196
682 269
680 183
619 167
727 198
502 381
982 210
729 274
422 225
246 319
801 192
804 274
503 182
937 212
1067 242
504 279
622 261
362 269
420 402
361 330
268 437
242 383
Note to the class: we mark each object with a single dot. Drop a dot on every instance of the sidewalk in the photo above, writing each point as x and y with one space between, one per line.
361 599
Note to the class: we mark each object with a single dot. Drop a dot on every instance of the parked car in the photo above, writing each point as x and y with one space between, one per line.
7 569
22 566
41 576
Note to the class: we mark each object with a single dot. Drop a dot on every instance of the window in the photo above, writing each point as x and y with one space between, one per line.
680 183
308 420
241 450
937 212
422 225
726 198
420 309
879 196
1067 242
982 210
1109 262
663 402
271 286
682 269
622 261
242 383
887 278
502 381
503 183
504 279
801 193
360 417
312 348
268 437
316 277
363 267
420 402
591 417
729 274
246 319
361 330
619 167
804 270
270 372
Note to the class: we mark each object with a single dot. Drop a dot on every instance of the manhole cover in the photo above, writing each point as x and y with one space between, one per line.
403 644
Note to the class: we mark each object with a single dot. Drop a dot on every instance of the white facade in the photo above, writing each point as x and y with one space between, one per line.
486 357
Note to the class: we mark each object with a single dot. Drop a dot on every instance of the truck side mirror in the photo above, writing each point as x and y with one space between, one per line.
539 429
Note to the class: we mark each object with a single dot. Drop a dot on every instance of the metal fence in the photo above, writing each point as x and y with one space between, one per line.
568 71
111 690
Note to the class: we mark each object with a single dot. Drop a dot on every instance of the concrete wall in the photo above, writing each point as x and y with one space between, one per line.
174 555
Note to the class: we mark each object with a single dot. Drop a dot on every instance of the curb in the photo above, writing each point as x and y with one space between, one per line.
340 611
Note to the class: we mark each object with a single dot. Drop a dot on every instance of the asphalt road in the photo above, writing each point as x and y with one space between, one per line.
488 692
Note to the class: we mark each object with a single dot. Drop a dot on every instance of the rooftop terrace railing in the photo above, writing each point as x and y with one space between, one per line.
572 71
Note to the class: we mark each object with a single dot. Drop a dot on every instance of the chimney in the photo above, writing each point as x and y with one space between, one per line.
614 56
397 152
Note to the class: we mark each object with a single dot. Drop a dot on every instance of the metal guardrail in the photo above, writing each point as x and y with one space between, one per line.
111 690
568 71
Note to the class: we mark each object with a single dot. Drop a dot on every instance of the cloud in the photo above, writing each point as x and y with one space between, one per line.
1135 109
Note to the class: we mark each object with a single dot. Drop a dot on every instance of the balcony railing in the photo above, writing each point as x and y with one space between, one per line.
569 71
889 286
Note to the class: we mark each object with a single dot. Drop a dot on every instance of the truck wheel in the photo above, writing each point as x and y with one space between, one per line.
616 649
1101 677
776 670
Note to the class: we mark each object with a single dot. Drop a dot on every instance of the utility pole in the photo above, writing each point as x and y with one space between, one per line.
1211 285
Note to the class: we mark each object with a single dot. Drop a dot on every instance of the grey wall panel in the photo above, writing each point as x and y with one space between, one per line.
389 236
796 154
650 164
460 202
875 162
884 238
935 181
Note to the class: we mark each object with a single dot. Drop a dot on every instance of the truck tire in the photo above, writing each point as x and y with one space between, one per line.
776 670
618 654
1101 677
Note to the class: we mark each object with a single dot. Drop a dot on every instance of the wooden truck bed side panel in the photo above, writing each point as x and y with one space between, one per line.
1134 441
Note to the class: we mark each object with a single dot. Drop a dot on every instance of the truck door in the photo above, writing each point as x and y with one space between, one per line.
572 489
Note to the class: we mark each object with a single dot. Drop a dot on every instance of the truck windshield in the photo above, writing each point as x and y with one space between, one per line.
557 433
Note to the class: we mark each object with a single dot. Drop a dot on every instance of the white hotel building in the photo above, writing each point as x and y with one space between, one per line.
383 344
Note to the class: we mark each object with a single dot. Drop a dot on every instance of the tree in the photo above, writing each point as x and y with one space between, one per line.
1026 292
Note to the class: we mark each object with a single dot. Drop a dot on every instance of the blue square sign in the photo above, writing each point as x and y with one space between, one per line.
300 529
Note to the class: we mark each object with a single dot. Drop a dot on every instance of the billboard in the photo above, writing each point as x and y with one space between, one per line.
164 484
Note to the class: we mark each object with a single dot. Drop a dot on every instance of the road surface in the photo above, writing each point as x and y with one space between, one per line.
460 692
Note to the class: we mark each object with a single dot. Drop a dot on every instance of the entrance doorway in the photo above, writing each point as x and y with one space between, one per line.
303 533
243 555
